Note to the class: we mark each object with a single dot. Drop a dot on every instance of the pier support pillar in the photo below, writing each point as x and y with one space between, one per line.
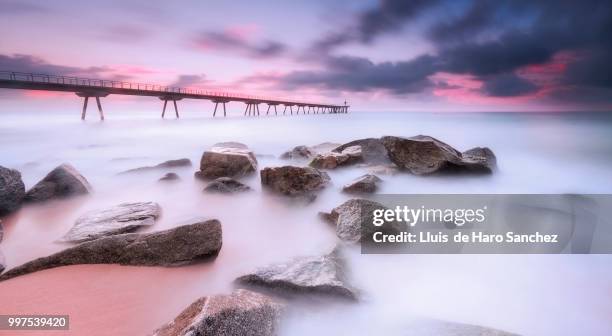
173 99
217 102
86 96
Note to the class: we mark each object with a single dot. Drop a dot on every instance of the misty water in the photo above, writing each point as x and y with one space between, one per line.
526 294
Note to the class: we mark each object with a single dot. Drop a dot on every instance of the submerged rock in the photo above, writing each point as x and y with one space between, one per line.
331 160
169 177
125 217
315 275
62 182
364 184
482 154
382 169
227 159
2 262
242 313
174 247
373 151
298 152
426 327
426 155
294 181
12 190
226 185
349 216
163 165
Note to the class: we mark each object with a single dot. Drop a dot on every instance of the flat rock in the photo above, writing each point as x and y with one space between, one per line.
169 177
12 190
373 150
227 159
364 184
122 218
331 160
422 155
324 275
226 185
178 246
62 182
294 181
242 313
348 218
167 164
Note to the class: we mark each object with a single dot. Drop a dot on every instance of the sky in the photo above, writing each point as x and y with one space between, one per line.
390 55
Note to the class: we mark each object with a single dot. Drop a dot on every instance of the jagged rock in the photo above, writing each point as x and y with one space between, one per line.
163 165
372 150
242 313
226 185
348 218
294 181
227 159
298 152
63 181
331 160
169 177
181 245
318 275
125 217
364 184
426 327
12 190
483 154
425 155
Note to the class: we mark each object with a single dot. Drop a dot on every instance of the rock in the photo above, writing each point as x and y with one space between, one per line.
62 182
125 217
331 160
226 185
323 147
294 181
227 159
1 231
304 275
348 218
178 246
364 184
372 150
483 154
169 177
12 190
426 155
242 313
298 152
166 164
382 169
2 263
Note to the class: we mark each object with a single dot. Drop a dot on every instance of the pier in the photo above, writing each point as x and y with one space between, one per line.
100 88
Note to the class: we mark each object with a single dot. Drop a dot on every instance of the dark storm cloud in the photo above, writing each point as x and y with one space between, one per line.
508 85
226 41
189 80
20 7
360 74
488 40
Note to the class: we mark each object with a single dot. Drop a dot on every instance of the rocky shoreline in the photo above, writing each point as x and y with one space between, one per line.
109 236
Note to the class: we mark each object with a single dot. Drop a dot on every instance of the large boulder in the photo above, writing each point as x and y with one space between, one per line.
294 181
349 216
331 160
367 183
63 181
242 313
227 159
372 150
12 190
122 218
325 275
426 155
178 246
226 185
166 164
